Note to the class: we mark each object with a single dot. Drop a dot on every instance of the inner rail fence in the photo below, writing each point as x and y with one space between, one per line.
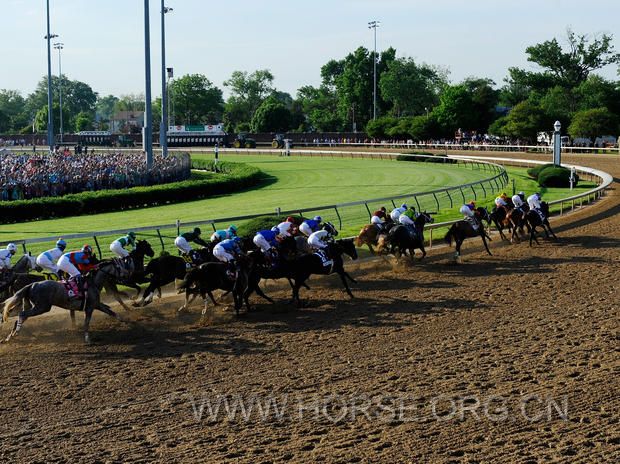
351 216
348 216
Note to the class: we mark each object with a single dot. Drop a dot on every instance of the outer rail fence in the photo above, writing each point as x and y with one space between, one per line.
347 216
434 199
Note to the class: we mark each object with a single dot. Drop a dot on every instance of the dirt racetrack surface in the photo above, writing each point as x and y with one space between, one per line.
510 358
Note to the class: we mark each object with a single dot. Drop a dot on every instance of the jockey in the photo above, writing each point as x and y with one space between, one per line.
517 200
310 226
379 217
182 242
500 201
408 217
287 228
396 212
226 251
267 239
319 238
220 235
76 262
118 246
48 259
6 255
533 202
468 211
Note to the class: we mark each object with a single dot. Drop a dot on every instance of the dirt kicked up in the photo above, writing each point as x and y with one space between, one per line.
510 358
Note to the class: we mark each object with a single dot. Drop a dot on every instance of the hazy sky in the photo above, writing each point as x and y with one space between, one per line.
104 39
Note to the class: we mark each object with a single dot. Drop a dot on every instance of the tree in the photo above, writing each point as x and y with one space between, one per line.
597 92
12 107
593 123
379 128
410 88
83 121
271 116
524 121
130 102
248 91
320 105
196 100
456 110
105 107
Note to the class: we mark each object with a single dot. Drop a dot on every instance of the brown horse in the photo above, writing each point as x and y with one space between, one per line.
370 235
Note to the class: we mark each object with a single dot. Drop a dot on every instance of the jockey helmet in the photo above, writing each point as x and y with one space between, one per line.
61 244
232 228
521 194
290 219
383 209
404 205
197 230
317 218
503 195
87 249
275 229
329 227
11 247
132 234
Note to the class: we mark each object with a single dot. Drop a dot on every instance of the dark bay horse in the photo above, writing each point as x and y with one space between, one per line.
463 229
534 220
500 217
400 240
322 264
39 297
19 276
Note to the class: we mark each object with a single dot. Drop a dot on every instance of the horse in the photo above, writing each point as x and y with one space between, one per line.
18 276
370 233
400 238
212 276
518 222
166 269
322 263
39 297
533 220
126 271
463 229
500 217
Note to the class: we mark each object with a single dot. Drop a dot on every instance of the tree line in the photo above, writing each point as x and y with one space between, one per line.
414 100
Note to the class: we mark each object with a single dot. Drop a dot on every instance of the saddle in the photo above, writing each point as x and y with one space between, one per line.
75 291
232 272
413 232
473 222
192 259
326 261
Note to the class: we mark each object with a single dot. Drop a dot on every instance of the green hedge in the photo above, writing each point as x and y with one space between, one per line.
556 177
535 171
234 176
431 157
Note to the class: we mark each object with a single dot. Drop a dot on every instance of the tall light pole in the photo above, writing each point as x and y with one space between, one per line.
59 46
163 128
50 120
170 72
557 144
374 25
147 132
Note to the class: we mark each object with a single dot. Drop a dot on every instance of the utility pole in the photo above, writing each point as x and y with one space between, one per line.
374 25
50 119
163 128
59 46
147 131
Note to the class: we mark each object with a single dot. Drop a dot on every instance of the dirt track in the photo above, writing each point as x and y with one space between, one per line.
495 334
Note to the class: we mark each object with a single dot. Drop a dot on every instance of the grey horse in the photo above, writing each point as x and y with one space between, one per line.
39 297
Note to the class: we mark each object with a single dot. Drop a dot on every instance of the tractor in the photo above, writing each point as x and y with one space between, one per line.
243 141
280 142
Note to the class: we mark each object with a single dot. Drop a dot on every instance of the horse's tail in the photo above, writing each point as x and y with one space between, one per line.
450 235
14 301
188 280
358 240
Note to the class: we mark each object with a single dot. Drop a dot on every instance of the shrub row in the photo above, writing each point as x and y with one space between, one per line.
252 226
548 175
432 158
232 177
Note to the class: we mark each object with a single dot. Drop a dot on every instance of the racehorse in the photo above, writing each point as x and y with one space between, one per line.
369 235
212 276
126 271
534 220
18 276
399 238
166 269
518 222
39 297
322 263
500 217
463 229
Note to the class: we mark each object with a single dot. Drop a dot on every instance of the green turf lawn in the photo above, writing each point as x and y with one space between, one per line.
295 182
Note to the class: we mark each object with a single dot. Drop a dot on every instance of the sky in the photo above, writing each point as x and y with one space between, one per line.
104 39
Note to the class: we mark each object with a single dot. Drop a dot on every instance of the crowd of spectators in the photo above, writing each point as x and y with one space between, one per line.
29 176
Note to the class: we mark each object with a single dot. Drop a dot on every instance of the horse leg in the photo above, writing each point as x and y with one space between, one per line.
486 246
343 277
533 235
23 315
550 230
72 314
189 297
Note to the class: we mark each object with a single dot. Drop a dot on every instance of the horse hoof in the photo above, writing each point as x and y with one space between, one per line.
87 340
